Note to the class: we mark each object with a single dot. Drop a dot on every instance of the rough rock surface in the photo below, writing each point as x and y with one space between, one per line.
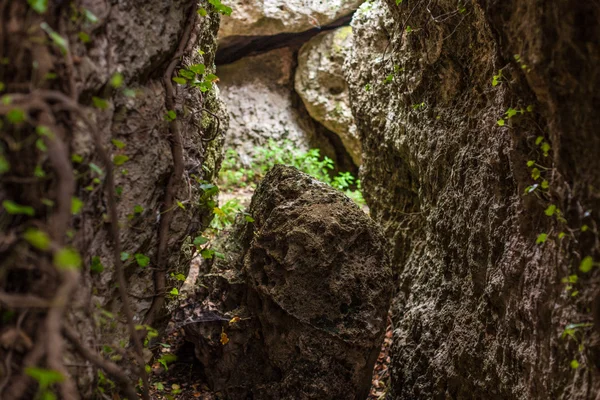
320 82
481 306
270 17
263 106
138 40
311 281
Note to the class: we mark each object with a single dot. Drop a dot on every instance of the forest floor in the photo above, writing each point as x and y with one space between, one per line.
184 378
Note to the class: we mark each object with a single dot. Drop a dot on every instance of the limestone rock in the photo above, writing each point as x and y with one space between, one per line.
480 309
311 281
321 84
270 17
262 105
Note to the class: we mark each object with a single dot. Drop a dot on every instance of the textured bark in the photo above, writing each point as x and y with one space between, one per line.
137 40
311 281
481 307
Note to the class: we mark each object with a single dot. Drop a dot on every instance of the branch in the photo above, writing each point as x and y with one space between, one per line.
111 368
177 153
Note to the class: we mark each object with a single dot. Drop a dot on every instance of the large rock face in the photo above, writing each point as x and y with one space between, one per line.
311 281
263 106
321 84
136 40
481 306
270 17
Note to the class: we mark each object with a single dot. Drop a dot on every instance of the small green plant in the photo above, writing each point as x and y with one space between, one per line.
234 174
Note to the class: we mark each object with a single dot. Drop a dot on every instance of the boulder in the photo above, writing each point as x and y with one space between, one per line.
263 106
321 84
301 296
270 17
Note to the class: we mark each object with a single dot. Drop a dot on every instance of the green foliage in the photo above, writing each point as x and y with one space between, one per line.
96 266
37 238
58 40
120 159
13 208
67 258
220 7
142 260
235 175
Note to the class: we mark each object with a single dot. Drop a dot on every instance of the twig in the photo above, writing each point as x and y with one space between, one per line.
177 153
111 368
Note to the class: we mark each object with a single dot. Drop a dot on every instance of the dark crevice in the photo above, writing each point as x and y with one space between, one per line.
236 47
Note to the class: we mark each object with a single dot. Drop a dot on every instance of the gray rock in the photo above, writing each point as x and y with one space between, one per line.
480 307
321 84
270 17
311 281
262 105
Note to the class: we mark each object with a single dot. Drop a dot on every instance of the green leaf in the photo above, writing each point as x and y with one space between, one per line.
180 205
398 2
530 163
545 184
137 209
76 158
500 122
511 112
4 165
39 172
116 80
219 255
536 174
96 169
120 159
44 377
84 37
207 254
118 144
202 12
99 103
545 148
58 40
211 78
197 68
539 140
90 16
179 80
2 86
15 116
542 237
200 240
586 264
550 210
561 235
41 146
174 292
16 209
187 74
180 277
67 258
170 115
142 260
39 6
124 256
37 238
76 205
96 266
248 218
574 364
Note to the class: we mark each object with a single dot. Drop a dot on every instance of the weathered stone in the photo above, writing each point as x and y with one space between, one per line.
321 84
481 307
311 280
263 106
270 17
137 40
